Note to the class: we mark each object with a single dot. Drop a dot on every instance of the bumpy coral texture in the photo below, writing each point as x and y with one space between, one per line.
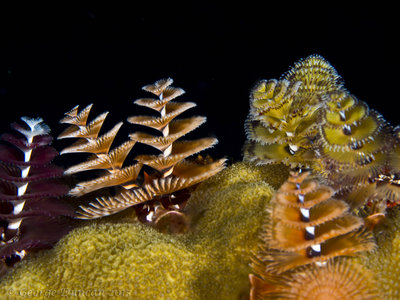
211 261
385 262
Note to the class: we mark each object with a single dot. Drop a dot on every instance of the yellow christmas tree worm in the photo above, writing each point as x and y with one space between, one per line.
354 148
282 122
211 261
308 119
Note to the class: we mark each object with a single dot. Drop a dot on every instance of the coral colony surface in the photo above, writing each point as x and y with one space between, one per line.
311 213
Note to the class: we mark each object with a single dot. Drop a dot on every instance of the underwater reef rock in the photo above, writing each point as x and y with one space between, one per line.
210 261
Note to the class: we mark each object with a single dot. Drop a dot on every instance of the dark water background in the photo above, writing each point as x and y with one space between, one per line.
53 57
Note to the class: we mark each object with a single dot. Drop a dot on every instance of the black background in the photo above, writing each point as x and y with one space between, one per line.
55 57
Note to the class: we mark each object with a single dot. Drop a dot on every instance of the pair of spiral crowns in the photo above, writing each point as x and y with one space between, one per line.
173 172
309 120
33 210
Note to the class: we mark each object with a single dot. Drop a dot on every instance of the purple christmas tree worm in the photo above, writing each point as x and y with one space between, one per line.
32 215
